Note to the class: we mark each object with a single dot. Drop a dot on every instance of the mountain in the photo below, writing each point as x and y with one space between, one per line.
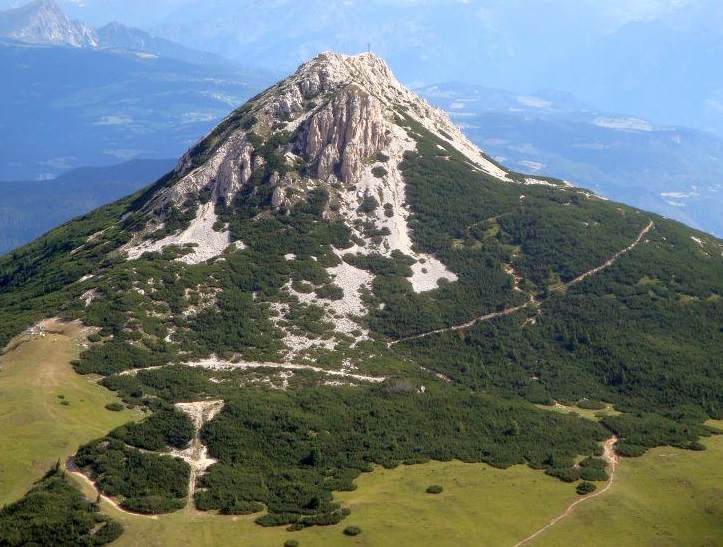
671 170
43 22
650 58
122 95
674 171
335 277
117 35
64 108
659 68
30 208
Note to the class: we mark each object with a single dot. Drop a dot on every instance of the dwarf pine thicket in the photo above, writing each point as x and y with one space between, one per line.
641 334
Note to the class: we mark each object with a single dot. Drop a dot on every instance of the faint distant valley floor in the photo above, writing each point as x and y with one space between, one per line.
674 171
29 209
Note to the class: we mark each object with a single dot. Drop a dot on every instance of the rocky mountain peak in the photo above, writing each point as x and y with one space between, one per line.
340 124
334 114
43 22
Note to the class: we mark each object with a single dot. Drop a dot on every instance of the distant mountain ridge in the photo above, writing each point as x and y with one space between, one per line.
43 22
30 208
117 35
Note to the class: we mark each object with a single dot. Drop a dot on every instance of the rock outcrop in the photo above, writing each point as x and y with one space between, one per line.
340 112
340 122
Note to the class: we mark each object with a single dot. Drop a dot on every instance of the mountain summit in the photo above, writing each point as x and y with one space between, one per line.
334 277
43 22
338 118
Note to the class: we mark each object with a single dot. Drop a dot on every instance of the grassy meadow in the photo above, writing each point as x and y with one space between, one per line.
667 497
479 505
587 413
47 410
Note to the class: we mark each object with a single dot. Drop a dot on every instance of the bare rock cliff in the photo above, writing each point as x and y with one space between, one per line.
337 113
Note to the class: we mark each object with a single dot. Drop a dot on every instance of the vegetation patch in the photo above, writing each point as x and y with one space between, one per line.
585 488
352 531
323 438
54 512
143 482
115 406
379 171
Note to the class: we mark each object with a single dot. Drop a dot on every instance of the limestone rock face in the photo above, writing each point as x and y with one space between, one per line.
339 137
336 113
277 198
224 174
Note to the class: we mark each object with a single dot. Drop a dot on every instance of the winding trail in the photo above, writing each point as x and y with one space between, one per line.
612 459
532 300
217 364
454 328
610 261
83 477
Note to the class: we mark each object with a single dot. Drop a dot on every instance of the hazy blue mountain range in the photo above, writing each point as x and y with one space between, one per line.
652 58
43 22
118 35
666 69
63 107
675 171
67 101
31 208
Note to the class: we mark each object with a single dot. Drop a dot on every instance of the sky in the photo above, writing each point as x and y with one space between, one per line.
520 45
610 12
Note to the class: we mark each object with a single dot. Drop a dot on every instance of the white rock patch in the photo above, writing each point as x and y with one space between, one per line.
196 455
351 280
390 190
213 363
531 181
209 243
89 296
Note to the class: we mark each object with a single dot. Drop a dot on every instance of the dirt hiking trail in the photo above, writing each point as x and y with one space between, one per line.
612 459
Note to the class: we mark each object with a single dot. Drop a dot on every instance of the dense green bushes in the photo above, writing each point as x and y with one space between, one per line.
585 488
290 450
54 512
352 531
593 469
165 427
115 356
651 430
144 482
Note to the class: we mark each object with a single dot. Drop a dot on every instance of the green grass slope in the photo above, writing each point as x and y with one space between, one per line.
47 410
